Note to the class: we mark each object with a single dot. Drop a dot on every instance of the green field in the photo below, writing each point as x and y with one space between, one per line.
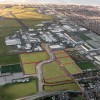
9 59
65 60
84 37
34 57
52 73
71 86
17 90
86 65
61 53
72 68
11 68
29 69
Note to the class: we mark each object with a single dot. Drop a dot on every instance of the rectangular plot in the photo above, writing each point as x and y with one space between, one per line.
72 68
59 52
29 68
86 65
11 68
65 60
71 86
53 73
34 57
61 55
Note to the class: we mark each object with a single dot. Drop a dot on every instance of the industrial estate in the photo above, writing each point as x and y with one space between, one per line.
49 52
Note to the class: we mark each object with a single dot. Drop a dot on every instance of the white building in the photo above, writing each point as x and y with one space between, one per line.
13 41
56 47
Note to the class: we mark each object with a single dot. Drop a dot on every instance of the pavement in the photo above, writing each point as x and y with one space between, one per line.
39 69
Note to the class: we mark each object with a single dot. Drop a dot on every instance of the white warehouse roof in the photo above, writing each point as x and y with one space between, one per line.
12 41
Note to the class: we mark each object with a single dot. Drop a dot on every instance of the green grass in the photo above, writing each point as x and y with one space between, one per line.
34 57
3 48
72 68
86 65
13 91
9 59
8 22
60 53
53 73
11 68
65 60
29 68
84 37
71 86
30 23
8 30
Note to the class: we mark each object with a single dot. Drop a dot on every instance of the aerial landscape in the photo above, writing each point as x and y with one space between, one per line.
50 50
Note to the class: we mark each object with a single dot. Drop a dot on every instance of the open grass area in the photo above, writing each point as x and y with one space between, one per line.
60 53
34 57
29 69
7 31
72 68
8 22
65 60
71 86
86 65
28 16
13 91
52 73
9 59
3 48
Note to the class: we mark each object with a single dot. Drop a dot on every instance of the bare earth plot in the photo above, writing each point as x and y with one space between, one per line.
30 60
53 74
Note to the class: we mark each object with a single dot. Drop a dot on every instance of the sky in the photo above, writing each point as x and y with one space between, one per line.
80 2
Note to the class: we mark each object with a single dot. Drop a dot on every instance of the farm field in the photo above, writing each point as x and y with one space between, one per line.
29 61
70 86
17 90
53 73
67 62
29 69
86 65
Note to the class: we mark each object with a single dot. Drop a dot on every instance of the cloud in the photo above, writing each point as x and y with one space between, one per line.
84 2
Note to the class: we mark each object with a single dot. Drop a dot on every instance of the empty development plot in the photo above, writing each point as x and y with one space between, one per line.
34 57
29 68
29 61
17 90
52 73
63 59
70 86
72 68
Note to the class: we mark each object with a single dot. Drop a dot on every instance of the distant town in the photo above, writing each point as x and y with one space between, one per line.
50 52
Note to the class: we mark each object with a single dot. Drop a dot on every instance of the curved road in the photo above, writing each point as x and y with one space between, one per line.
39 69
